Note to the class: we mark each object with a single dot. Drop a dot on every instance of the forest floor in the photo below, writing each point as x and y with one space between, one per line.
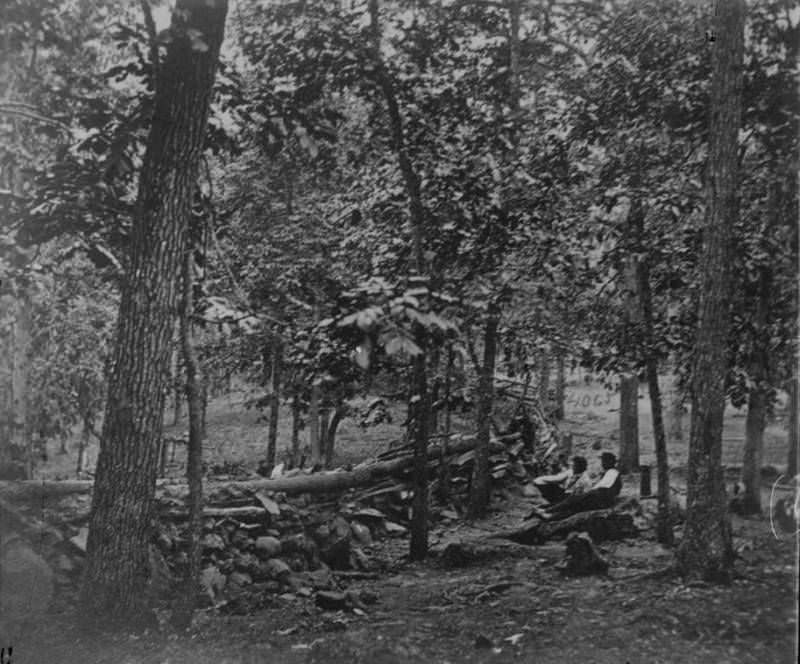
516 607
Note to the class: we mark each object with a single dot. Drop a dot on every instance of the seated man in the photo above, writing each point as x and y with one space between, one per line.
566 483
601 496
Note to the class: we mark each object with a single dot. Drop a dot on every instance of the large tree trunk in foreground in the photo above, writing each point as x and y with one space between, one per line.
194 451
706 550
628 424
481 481
118 566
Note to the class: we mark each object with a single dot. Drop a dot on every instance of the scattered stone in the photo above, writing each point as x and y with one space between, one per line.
164 542
275 568
241 540
482 641
267 547
368 597
361 533
80 539
212 542
330 600
530 491
248 564
359 559
212 581
393 528
240 579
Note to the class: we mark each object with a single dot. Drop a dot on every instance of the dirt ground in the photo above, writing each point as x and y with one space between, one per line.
516 607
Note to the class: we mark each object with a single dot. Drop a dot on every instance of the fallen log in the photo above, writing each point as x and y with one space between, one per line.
247 513
466 553
602 526
322 482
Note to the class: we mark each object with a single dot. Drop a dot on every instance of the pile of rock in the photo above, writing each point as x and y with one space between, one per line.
285 545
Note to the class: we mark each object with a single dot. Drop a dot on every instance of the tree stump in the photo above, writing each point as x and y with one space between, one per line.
582 557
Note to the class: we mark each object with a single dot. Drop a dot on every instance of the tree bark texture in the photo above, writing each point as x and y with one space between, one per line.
194 450
706 550
628 424
275 400
117 566
480 486
178 389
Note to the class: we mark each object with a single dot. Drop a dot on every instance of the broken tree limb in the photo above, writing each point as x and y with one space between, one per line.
323 482
602 526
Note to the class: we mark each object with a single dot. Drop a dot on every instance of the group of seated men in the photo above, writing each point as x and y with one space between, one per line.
571 490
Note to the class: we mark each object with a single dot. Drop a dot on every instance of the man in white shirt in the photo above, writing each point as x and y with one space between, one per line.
570 481
601 496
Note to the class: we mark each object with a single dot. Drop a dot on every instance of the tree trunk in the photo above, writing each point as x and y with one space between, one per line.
515 88
83 445
706 550
444 468
628 424
676 410
561 381
757 401
182 617
21 440
418 547
794 429
324 420
544 381
313 427
117 564
480 487
330 434
275 400
664 532
178 387
754 450
295 431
